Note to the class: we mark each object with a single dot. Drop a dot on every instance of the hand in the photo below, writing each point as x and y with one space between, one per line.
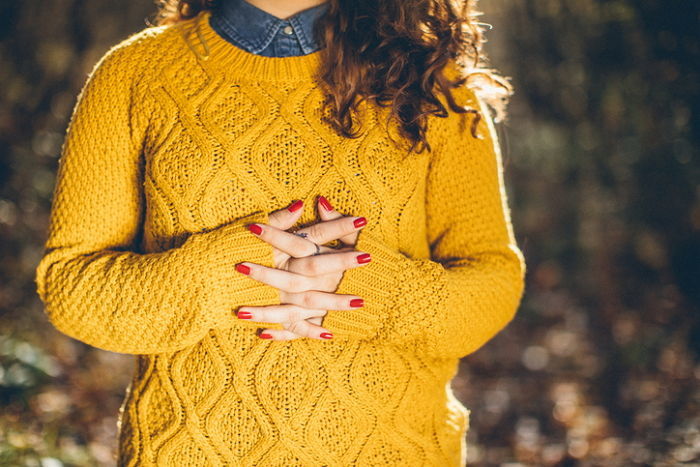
282 220
304 278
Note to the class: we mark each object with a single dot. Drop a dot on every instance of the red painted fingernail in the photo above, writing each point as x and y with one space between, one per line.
327 335
244 315
265 336
255 228
360 221
295 205
364 258
324 202
357 302
242 268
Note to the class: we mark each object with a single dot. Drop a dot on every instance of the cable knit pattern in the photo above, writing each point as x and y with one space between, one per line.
178 140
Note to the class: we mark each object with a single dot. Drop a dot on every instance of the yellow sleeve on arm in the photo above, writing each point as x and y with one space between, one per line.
451 304
94 287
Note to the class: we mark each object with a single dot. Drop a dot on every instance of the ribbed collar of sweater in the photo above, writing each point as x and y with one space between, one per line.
220 56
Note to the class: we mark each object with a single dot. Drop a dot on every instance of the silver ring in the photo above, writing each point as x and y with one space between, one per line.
304 235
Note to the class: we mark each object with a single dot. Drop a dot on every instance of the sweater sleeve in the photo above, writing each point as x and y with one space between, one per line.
95 287
453 303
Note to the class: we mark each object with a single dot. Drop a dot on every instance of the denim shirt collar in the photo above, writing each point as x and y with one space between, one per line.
256 28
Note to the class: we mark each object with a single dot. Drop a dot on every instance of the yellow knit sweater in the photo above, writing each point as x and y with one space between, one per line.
177 141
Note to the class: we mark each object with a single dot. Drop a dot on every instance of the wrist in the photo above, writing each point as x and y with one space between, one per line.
374 282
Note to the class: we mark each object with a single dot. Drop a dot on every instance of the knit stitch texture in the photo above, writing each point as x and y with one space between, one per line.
177 141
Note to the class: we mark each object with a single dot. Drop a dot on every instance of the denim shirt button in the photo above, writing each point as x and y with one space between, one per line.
259 32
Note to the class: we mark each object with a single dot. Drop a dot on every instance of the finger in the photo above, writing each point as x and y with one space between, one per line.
325 231
278 278
330 262
284 313
327 212
295 329
314 299
285 218
287 242
277 335
306 329
310 330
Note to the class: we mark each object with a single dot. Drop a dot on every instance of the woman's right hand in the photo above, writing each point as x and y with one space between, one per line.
306 281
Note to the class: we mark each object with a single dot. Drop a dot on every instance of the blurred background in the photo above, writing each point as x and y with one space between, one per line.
600 365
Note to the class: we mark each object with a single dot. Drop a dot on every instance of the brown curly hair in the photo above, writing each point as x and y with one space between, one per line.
392 52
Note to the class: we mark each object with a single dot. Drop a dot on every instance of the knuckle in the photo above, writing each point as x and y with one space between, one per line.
294 314
295 327
311 267
293 285
296 284
308 300
315 231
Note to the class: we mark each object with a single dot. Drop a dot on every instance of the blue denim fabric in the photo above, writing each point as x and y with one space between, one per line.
259 32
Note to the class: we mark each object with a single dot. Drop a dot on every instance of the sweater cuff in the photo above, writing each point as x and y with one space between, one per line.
376 282
229 289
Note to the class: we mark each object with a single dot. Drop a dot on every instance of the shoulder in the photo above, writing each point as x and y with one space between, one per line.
466 97
465 136
466 94
136 56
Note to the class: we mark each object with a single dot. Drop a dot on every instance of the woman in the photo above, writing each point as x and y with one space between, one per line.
263 334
